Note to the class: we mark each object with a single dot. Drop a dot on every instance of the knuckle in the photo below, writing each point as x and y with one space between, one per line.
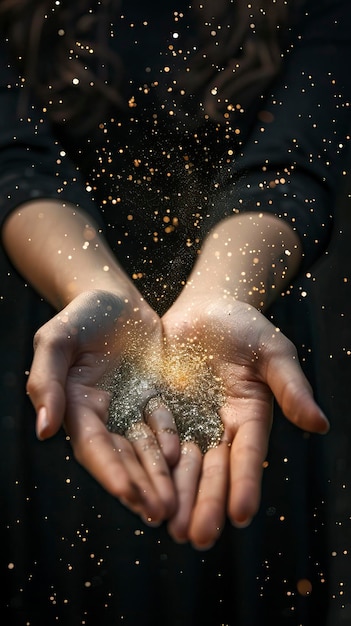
34 386
249 449
43 337
150 443
211 471
38 337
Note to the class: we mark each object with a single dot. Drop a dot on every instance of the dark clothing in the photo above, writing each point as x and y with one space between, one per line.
70 553
116 158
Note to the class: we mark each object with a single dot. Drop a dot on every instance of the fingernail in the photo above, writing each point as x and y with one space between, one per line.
327 424
243 524
203 548
42 423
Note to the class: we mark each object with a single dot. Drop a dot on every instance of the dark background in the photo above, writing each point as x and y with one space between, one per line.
331 293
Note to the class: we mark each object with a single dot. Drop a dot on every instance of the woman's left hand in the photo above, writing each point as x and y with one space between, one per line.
255 362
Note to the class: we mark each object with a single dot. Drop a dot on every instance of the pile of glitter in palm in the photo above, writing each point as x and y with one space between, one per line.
183 381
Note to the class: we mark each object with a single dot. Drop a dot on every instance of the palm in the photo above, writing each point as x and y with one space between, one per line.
73 352
255 362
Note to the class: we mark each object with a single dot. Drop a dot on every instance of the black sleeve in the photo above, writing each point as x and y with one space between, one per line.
32 163
292 163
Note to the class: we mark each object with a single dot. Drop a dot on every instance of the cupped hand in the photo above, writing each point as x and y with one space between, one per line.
73 351
255 362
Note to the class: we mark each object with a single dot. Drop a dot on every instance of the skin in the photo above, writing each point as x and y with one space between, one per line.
99 311
244 263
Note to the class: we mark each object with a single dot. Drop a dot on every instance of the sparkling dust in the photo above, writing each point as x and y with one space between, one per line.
184 382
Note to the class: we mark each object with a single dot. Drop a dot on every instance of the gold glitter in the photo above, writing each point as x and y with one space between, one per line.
182 381
131 103
154 403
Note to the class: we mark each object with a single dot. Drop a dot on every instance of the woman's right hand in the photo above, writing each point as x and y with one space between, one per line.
73 351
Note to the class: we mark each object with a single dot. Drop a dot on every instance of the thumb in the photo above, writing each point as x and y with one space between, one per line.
46 387
294 393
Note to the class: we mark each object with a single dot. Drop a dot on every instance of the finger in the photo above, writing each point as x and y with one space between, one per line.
185 477
161 422
210 509
151 457
112 461
294 394
247 455
46 388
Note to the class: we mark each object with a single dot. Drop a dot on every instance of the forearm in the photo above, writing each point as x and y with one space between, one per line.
61 253
250 257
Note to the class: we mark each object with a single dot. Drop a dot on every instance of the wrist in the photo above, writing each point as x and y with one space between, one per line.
249 257
60 251
98 275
